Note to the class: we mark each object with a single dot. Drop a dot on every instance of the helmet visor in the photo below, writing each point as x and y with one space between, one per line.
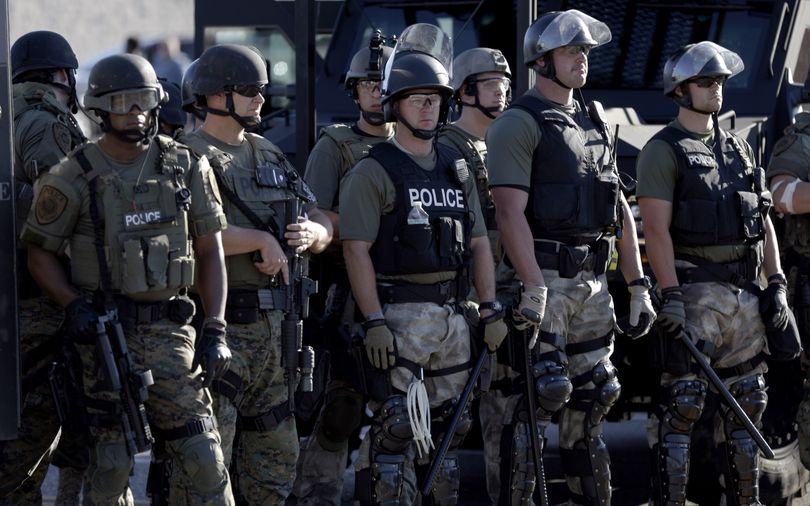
122 102
573 27
706 59
428 39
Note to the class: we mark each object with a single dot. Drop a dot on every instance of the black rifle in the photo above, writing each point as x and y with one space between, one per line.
118 374
537 457
451 429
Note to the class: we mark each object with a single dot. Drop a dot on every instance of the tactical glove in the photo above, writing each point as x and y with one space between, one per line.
495 330
212 352
672 316
773 306
642 314
379 344
80 321
532 307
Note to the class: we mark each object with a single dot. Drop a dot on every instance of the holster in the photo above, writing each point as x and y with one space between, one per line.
374 383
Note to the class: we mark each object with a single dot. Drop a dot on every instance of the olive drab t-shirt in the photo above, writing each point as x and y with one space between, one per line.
511 140
367 193
791 157
327 164
138 205
657 173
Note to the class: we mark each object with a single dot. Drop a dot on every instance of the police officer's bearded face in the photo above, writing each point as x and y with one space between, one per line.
571 65
133 125
420 108
491 88
706 93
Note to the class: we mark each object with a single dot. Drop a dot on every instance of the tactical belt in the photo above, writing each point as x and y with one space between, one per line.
230 385
244 306
706 271
549 256
740 369
267 421
192 428
178 309
438 293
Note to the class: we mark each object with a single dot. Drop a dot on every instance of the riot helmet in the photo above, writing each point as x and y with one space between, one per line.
172 115
466 68
117 84
189 104
35 57
423 58
368 65
559 29
704 59
229 68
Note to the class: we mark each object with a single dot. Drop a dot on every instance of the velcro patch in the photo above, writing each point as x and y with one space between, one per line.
61 135
50 205
462 171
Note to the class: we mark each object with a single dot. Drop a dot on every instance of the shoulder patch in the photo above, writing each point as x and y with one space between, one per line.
783 144
51 204
462 171
62 137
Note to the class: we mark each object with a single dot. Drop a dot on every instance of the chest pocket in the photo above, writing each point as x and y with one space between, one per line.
152 239
259 199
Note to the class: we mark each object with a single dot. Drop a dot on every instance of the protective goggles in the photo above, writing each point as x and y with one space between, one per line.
121 102
420 100
248 90
708 81
493 84
575 50
369 86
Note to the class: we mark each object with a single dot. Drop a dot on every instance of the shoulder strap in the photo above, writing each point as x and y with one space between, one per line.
269 226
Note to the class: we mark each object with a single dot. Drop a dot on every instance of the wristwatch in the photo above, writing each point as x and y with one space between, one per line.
494 306
642 281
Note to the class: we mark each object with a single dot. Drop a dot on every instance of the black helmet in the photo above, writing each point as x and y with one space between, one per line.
412 71
562 28
188 94
41 50
227 65
172 112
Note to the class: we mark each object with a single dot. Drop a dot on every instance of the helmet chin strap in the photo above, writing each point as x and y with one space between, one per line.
131 135
419 133
246 122
685 101
549 71
373 118
487 111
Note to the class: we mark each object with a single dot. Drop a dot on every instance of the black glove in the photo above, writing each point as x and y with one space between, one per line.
80 321
211 352
773 306
672 315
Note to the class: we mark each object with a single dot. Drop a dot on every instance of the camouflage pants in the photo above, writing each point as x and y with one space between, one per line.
175 399
728 318
24 461
580 309
435 337
263 463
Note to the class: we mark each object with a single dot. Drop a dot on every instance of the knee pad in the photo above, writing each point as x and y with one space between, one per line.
596 402
446 484
202 461
341 416
752 397
552 385
110 475
440 422
391 432
684 405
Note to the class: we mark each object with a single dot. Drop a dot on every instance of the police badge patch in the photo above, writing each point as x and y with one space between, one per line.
462 171
50 205
61 135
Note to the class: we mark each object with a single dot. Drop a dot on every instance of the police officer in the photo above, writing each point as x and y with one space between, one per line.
560 210
257 180
319 477
138 212
708 236
189 104
481 80
412 233
788 175
172 116
43 68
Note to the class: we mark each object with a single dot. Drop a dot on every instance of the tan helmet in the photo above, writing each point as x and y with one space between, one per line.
477 60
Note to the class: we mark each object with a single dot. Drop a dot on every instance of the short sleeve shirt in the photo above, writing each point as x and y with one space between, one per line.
791 153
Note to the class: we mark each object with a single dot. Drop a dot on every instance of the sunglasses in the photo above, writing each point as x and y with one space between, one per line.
708 81
493 84
122 102
575 50
248 90
369 86
420 100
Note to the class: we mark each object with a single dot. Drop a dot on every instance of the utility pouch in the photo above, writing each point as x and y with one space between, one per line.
157 261
181 310
751 217
572 260
603 254
451 239
374 383
134 273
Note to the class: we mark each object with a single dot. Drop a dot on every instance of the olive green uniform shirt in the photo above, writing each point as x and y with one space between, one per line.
657 173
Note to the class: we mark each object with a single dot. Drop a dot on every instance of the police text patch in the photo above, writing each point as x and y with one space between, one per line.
50 205
140 218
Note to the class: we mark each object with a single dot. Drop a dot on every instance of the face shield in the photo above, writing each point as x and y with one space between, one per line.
572 28
426 39
701 59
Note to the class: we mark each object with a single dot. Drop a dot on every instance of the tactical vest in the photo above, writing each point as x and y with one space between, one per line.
574 189
353 148
797 226
475 153
146 227
715 203
263 187
443 244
